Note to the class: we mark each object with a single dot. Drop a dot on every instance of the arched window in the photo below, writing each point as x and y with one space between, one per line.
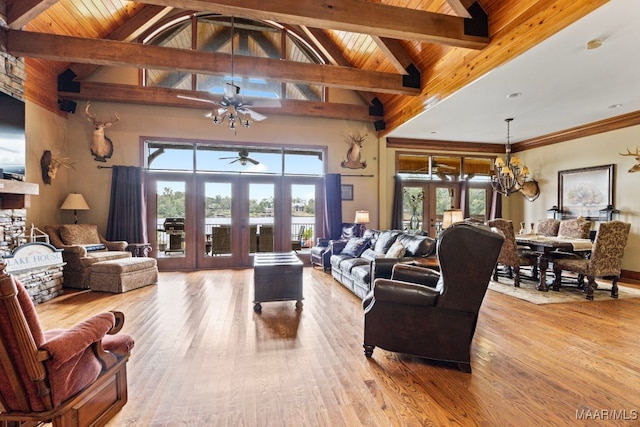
213 33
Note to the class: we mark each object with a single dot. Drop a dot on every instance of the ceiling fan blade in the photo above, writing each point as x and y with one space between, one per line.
191 98
255 162
254 115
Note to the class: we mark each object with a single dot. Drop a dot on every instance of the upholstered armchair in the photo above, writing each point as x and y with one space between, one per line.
546 227
321 252
511 256
433 314
83 246
605 260
71 378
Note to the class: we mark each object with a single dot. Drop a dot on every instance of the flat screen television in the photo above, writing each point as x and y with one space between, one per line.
12 135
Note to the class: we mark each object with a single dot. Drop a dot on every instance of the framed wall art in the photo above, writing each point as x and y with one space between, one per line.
584 191
347 191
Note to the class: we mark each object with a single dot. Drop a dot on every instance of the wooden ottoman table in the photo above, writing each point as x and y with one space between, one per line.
277 276
122 275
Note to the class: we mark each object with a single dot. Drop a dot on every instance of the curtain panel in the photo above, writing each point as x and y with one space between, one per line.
127 207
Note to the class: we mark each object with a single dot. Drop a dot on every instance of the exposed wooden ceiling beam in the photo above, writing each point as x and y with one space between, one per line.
129 31
347 15
394 52
460 7
111 92
20 12
115 53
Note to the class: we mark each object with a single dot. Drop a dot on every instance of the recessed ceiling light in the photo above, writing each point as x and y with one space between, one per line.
615 106
514 95
594 44
433 132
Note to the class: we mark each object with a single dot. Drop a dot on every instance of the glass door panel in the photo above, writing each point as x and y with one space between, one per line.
261 217
413 209
218 219
171 215
443 197
303 216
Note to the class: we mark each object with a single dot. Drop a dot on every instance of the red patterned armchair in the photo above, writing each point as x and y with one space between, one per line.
71 378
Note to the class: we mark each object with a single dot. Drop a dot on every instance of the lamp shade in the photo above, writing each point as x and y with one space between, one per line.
362 217
76 202
451 216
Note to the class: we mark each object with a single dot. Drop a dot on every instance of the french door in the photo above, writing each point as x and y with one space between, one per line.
220 221
425 202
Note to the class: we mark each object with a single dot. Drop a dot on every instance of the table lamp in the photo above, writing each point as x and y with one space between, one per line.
362 217
75 202
451 216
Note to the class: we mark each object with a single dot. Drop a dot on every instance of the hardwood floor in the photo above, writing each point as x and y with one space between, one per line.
204 358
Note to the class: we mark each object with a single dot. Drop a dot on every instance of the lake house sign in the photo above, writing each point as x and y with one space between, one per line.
32 256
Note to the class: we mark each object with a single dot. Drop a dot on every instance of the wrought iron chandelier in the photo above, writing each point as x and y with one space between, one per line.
510 173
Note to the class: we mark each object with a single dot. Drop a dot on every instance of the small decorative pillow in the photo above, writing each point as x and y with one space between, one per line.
80 234
396 250
370 255
355 246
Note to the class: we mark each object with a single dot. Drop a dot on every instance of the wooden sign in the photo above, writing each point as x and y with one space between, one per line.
32 256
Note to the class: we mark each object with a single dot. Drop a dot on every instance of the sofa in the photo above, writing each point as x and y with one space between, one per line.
357 262
320 254
82 247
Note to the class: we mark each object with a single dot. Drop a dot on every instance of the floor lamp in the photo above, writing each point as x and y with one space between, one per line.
75 202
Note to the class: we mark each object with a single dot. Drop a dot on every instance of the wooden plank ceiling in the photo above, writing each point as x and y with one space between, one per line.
398 55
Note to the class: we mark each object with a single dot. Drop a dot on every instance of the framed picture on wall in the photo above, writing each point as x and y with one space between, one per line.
584 191
347 191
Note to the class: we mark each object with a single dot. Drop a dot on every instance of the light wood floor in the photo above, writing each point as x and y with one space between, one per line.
204 358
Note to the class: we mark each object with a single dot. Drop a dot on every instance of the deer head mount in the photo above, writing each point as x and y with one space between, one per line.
101 146
49 165
354 153
636 155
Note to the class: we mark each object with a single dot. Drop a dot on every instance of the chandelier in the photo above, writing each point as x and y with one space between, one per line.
510 173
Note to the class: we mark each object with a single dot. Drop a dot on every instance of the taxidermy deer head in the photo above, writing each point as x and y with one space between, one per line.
101 146
354 152
636 155
50 165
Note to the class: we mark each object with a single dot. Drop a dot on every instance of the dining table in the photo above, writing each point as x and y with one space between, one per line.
544 246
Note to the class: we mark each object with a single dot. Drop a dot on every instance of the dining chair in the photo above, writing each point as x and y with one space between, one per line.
605 260
511 256
546 227
577 228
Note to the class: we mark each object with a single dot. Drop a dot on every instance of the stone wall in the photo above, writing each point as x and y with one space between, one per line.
42 285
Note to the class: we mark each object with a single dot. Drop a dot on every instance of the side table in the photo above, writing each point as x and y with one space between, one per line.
277 276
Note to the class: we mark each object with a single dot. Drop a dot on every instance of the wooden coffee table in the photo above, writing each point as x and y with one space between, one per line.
277 276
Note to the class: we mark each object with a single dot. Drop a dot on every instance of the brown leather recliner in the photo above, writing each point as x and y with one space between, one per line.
433 314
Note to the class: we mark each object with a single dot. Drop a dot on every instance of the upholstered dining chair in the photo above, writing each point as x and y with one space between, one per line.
605 260
546 227
69 377
577 228
511 256
431 314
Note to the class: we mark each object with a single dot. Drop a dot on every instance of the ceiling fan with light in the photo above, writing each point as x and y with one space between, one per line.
232 107
243 158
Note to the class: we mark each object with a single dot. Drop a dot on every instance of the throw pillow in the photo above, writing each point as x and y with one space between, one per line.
355 246
370 255
396 250
80 234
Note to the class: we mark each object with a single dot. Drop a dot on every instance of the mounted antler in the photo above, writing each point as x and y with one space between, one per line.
101 146
636 155
50 165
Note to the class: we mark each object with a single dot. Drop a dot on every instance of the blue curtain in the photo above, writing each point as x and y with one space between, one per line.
396 214
332 206
127 208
